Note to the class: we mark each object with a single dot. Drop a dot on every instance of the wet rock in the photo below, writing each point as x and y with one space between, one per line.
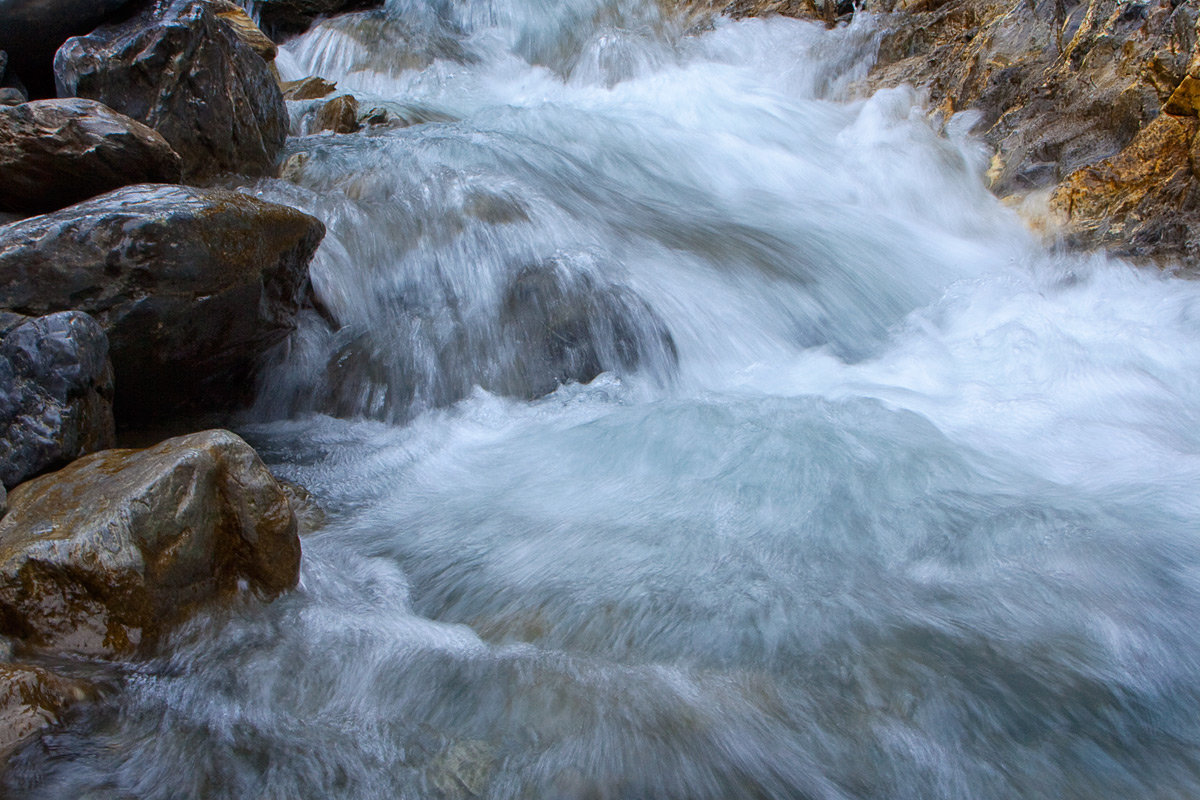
11 97
339 115
105 556
310 516
240 22
1141 200
33 699
310 88
183 71
561 326
57 152
191 286
293 16
55 394
33 29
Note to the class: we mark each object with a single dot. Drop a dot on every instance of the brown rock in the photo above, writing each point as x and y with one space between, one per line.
310 88
1185 100
32 699
236 18
339 115
57 152
190 285
104 556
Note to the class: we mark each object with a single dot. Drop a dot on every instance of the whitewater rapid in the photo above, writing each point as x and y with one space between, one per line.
868 494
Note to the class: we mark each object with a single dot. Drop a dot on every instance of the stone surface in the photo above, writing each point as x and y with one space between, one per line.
191 286
33 29
55 394
180 69
57 152
339 115
237 19
293 16
310 88
33 699
105 556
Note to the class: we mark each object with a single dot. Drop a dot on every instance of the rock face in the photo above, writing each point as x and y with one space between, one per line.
293 16
57 152
106 555
191 286
240 22
183 71
55 394
32 698
33 29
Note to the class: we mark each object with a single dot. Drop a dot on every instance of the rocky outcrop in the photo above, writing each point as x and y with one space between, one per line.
180 69
55 394
1066 93
32 699
191 286
57 152
105 556
32 30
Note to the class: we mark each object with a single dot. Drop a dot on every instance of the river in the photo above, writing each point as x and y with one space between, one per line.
865 492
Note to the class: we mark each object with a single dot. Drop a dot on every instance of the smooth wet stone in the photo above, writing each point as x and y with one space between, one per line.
181 69
240 22
57 152
293 16
56 390
191 286
33 699
339 115
105 556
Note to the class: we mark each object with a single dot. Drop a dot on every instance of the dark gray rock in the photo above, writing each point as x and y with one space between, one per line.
31 30
55 394
57 152
191 286
561 326
184 72
293 16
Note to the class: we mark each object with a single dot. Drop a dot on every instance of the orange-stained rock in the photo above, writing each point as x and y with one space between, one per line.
310 88
243 26
339 115
1110 201
31 699
104 556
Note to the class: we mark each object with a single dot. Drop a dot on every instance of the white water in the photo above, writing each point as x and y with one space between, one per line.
875 498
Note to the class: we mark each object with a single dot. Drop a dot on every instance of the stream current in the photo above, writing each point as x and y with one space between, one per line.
686 429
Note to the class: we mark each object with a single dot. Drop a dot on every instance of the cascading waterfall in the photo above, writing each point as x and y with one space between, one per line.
686 430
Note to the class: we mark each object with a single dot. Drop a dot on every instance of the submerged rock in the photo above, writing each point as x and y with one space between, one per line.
57 152
191 286
32 699
104 556
180 69
56 391
561 326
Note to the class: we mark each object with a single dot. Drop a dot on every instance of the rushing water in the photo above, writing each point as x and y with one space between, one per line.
871 496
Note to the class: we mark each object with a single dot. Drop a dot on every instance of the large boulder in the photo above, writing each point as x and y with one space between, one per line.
57 152
31 30
55 394
183 71
105 556
191 286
